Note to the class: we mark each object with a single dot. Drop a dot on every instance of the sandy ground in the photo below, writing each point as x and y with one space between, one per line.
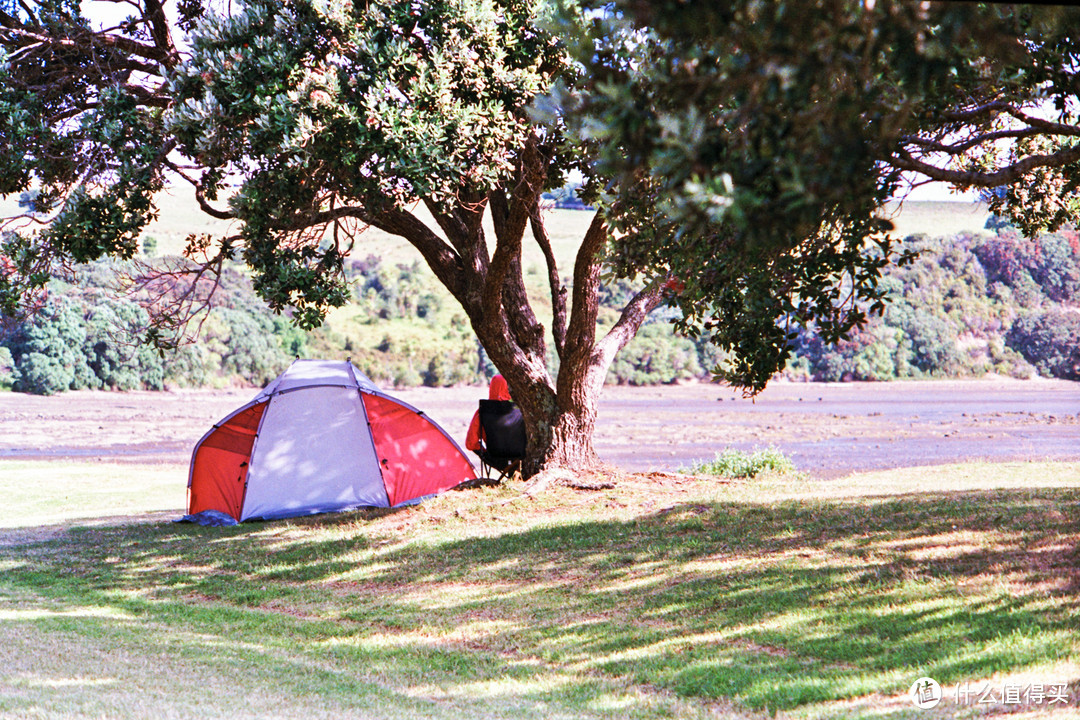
827 429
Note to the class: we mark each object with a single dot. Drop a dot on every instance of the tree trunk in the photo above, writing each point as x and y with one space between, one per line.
560 415
560 431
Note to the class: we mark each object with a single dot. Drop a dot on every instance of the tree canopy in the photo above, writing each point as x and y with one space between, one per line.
773 133
739 155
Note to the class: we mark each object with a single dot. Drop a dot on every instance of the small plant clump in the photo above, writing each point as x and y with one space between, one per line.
740 464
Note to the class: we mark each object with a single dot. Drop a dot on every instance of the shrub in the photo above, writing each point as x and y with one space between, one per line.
739 464
1050 341
1057 269
113 351
867 355
931 344
249 349
656 356
7 369
48 351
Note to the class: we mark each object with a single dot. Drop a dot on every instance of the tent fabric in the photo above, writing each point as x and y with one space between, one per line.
313 373
313 456
321 437
220 463
412 450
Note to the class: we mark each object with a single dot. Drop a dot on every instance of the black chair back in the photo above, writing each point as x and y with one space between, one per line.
504 429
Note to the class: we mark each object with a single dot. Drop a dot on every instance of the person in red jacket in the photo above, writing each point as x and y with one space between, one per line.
497 390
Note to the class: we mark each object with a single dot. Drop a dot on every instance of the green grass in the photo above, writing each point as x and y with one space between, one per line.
179 216
51 493
740 464
659 598
937 218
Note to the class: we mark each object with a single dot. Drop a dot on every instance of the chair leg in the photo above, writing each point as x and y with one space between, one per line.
509 470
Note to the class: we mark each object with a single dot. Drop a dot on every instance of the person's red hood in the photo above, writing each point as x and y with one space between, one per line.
498 389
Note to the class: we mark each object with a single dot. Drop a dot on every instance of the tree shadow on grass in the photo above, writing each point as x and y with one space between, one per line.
771 606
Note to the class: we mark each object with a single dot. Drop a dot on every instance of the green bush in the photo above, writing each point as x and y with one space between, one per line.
950 312
656 356
739 464
1050 341
48 351
247 346
868 355
930 344
113 351
8 373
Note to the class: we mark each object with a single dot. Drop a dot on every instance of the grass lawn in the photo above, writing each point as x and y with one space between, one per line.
180 216
665 597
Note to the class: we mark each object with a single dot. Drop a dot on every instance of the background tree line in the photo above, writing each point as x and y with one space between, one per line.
743 149
967 305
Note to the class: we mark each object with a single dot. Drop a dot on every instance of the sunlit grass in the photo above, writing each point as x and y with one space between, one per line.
658 598
43 493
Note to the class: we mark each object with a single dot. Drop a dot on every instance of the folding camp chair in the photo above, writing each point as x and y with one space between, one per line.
502 438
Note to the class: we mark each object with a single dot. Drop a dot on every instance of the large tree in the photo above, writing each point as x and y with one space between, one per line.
739 153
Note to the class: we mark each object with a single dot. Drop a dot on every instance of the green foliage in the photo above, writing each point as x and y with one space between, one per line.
377 105
7 369
739 464
88 337
1049 340
869 355
247 346
656 356
767 178
404 291
950 314
47 351
955 310
931 343
1051 262
113 351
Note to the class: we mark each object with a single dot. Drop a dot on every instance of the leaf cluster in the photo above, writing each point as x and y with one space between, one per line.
752 145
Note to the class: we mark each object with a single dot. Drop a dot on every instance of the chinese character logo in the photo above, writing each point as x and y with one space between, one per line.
925 693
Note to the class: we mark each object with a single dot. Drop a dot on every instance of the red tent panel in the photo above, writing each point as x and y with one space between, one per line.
219 469
417 458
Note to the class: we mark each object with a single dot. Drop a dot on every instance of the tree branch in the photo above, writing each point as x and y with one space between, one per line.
89 40
1047 126
630 321
159 31
969 114
929 145
200 197
581 330
510 216
903 160
440 257
558 292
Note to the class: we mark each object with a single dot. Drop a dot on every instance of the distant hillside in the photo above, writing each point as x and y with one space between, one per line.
937 219
180 216
975 302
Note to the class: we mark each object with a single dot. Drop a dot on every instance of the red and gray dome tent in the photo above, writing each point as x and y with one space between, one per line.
321 438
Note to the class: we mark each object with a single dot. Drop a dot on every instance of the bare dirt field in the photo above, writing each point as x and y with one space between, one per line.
827 429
